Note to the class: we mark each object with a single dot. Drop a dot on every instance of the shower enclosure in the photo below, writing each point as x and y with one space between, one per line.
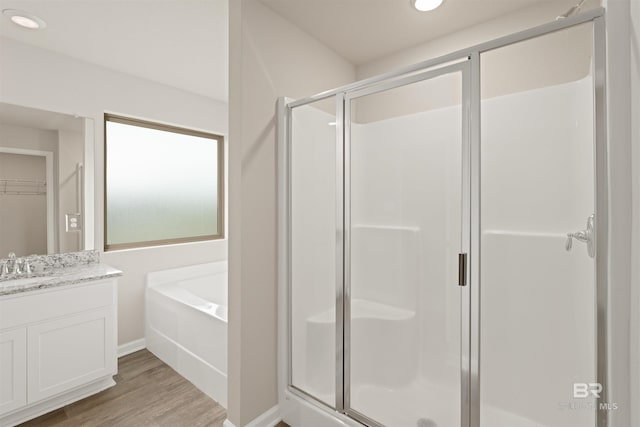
443 240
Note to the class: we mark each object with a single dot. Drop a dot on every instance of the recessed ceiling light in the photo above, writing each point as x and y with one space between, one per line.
426 5
24 19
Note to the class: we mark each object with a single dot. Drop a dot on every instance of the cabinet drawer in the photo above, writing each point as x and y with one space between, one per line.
70 352
13 370
31 307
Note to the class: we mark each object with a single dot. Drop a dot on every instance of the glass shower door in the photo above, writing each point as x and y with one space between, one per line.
406 221
313 254
538 325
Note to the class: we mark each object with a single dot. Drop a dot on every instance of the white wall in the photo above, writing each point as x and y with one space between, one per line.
23 217
635 142
269 58
46 80
31 139
70 153
498 27
553 59
619 121
67 147
28 138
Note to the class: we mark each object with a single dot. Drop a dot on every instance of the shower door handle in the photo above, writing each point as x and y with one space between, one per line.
462 269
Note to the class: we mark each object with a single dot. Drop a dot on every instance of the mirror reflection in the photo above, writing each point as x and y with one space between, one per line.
41 181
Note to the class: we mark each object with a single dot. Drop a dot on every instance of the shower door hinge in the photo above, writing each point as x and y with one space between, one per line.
462 269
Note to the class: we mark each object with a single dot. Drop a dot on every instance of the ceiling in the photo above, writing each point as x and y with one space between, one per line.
184 43
387 26
33 118
181 43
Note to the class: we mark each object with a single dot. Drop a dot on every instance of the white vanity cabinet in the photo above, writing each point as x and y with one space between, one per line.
57 345
13 370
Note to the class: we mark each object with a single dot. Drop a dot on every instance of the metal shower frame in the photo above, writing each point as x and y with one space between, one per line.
466 61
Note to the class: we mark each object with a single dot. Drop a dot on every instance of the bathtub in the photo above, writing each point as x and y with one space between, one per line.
186 324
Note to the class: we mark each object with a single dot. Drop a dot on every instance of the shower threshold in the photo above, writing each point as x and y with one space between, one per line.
433 404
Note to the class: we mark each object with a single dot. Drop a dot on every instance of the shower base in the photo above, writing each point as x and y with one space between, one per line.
422 404
425 404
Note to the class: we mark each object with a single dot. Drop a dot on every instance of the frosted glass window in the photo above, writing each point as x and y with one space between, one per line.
163 184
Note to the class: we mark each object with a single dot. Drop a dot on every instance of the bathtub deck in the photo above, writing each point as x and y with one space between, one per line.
148 392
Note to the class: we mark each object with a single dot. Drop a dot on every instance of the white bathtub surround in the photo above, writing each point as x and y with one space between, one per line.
57 340
186 324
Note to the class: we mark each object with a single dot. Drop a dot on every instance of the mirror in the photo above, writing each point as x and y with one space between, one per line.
43 181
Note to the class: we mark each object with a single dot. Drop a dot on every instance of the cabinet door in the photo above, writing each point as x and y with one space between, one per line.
13 370
70 352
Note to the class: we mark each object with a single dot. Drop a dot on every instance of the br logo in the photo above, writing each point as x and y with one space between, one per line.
582 390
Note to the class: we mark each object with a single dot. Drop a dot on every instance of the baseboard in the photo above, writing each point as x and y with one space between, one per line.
131 347
268 419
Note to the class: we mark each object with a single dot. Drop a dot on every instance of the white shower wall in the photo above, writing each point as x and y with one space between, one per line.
538 302
406 173
537 159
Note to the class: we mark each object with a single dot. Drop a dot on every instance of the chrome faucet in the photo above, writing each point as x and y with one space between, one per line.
26 267
15 263
587 236
15 266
